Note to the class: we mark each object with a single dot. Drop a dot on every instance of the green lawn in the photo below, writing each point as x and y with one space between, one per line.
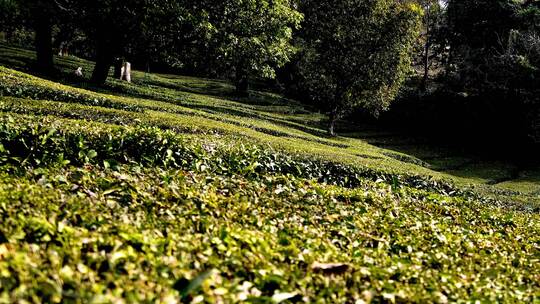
173 189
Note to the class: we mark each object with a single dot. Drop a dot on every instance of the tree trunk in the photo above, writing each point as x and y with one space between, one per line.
331 127
101 71
43 41
118 64
334 117
242 79
104 61
425 79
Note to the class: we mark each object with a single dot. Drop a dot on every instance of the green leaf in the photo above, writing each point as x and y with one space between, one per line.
194 284
91 154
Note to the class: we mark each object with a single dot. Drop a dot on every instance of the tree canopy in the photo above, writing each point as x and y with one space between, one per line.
252 37
356 53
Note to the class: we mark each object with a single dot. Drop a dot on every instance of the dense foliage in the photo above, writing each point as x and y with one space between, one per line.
494 44
167 199
481 87
496 55
249 37
176 189
119 228
356 53
9 13
252 37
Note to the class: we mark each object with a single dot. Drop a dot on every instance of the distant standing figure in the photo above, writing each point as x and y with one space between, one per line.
63 51
127 72
78 72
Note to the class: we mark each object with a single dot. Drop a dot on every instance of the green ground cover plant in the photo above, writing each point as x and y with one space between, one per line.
172 191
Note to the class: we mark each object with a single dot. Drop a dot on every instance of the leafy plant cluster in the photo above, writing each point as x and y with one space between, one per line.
172 102
184 203
259 124
25 141
102 234
17 84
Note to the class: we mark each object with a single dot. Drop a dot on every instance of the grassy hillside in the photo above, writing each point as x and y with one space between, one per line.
172 189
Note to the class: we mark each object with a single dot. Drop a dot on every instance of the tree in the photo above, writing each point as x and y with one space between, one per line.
41 13
111 24
10 17
153 28
172 35
432 39
486 34
495 52
42 16
252 37
114 28
357 53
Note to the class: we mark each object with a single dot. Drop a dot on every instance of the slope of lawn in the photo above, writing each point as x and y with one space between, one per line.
171 189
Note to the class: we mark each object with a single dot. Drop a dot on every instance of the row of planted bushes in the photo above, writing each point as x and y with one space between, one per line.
17 84
30 141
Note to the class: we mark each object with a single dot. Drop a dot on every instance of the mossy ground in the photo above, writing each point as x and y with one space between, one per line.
172 189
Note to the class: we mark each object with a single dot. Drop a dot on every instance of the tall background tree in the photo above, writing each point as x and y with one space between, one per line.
479 29
252 37
356 53
494 50
44 17
173 37
432 42
148 30
41 14
486 95
112 25
10 17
